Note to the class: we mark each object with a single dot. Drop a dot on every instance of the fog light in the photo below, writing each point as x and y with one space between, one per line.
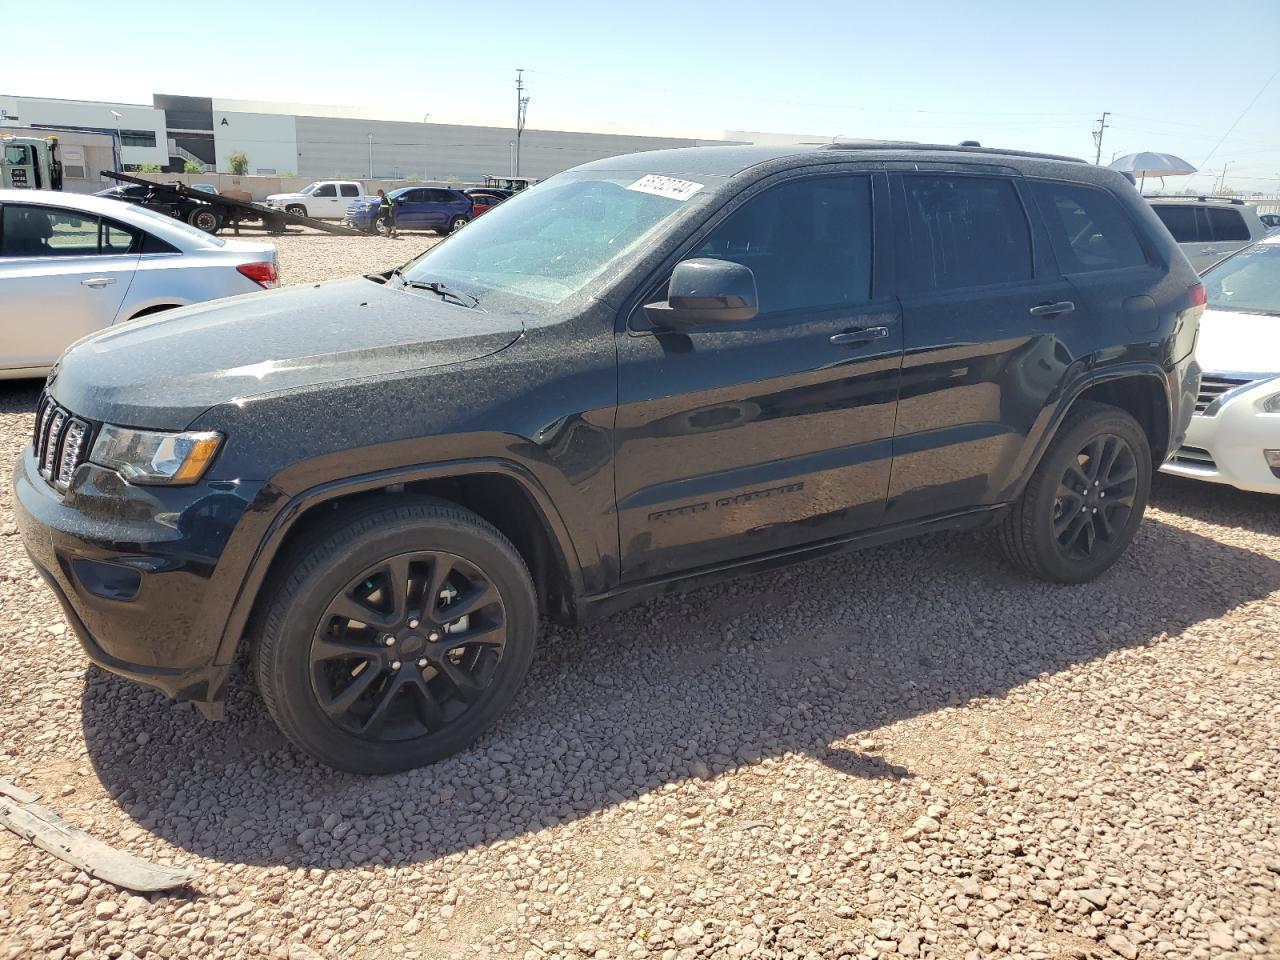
1273 458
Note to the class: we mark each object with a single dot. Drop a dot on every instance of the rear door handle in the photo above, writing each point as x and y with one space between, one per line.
865 335
1053 309
98 281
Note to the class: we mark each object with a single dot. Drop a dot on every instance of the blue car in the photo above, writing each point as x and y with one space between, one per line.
416 208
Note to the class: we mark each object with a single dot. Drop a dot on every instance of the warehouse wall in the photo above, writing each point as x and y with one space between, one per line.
269 140
84 113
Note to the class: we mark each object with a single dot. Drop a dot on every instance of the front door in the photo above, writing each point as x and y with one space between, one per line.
411 208
989 328
745 439
58 280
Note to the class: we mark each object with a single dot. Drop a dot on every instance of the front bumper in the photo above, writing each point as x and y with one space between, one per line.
131 567
1227 446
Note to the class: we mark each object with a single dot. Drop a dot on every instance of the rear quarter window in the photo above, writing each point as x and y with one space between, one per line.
1227 225
1088 227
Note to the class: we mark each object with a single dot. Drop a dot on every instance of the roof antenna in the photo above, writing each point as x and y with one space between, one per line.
970 143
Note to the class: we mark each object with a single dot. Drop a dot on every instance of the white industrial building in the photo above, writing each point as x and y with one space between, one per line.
289 139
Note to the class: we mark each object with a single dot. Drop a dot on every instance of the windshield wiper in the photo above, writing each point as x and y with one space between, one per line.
436 287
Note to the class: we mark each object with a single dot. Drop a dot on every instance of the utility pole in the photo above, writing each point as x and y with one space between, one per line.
522 107
1222 177
1097 136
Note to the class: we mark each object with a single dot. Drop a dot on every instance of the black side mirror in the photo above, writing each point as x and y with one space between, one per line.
706 290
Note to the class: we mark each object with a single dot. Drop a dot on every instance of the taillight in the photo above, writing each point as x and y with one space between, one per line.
260 272
1198 296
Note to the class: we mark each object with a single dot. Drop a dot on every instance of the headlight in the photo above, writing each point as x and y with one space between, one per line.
142 456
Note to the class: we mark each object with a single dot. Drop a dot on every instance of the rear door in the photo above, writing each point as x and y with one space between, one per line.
438 208
1228 229
987 326
347 194
62 275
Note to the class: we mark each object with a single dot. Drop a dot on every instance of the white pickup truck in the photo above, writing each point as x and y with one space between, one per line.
324 199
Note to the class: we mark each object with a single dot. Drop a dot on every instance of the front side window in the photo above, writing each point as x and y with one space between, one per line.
1088 227
46 232
1248 282
1182 222
326 190
966 232
1227 225
808 243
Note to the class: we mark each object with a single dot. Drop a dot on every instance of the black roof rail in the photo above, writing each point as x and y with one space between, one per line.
946 148
1204 197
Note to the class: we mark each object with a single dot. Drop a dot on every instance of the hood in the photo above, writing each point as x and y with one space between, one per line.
1233 342
285 196
164 371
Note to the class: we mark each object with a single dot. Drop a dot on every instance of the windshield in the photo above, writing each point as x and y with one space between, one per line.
543 246
175 224
1248 282
310 188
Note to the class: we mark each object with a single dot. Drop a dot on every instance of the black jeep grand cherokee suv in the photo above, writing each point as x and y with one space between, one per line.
644 371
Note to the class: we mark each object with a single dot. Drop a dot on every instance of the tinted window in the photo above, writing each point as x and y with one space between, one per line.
1227 224
1182 222
118 239
438 196
1088 227
44 232
808 243
350 190
966 231
326 191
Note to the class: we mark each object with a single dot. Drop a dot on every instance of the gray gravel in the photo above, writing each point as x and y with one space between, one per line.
909 751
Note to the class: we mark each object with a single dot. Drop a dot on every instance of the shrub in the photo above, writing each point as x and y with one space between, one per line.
148 168
239 162
190 166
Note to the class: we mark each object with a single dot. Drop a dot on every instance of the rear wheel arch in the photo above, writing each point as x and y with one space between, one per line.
1144 397
154 308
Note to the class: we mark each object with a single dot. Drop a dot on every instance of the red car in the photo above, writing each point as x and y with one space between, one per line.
483 202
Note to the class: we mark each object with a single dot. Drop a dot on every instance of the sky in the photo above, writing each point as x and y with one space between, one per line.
1179 78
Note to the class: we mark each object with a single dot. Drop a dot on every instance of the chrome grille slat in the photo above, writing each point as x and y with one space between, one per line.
1212 387
61 442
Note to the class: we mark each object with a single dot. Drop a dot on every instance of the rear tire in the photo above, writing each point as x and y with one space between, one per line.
1084 501
457 223
207 220
412 683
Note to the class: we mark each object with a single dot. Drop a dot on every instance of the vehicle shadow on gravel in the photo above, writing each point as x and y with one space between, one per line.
811 660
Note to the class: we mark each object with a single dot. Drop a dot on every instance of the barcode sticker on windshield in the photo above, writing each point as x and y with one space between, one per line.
669 187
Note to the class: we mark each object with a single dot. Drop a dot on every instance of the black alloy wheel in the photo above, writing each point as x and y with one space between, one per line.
1095 496
407 646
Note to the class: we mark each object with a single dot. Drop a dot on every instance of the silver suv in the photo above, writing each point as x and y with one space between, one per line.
1209 228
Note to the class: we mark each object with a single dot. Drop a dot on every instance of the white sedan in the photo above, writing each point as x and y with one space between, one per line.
73 264
1234 437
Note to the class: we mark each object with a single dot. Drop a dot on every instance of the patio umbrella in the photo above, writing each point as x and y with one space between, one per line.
1150 164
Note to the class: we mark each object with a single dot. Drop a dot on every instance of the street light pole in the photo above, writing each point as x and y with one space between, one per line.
119 139
426 147
371 156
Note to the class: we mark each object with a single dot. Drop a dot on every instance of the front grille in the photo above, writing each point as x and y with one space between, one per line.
1198 457
61 442
1214 386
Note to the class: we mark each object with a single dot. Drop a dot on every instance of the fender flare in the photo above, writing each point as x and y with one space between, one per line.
300 503
1058 413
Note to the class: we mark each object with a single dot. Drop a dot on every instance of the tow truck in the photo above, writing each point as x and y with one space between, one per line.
30 163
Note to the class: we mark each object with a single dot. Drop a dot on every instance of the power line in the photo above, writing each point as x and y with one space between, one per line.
1241 117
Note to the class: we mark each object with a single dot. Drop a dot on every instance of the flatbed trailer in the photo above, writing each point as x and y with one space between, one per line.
235 213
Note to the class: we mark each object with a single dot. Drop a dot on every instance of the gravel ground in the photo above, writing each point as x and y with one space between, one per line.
906 751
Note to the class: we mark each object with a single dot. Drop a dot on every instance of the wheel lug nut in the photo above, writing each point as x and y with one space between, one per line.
1102 495
433 637
1095 509
413 624
388 641
422 662
395 664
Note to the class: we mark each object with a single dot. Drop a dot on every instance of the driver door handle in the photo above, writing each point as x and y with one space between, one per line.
865 335
1053 309
98 281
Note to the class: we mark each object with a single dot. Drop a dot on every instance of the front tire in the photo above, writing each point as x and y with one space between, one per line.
297 209
397 636
1084 502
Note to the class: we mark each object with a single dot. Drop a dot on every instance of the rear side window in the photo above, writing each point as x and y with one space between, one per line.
1227 224
1182 222
808 243
350 190
966 232
1088 227
120 239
